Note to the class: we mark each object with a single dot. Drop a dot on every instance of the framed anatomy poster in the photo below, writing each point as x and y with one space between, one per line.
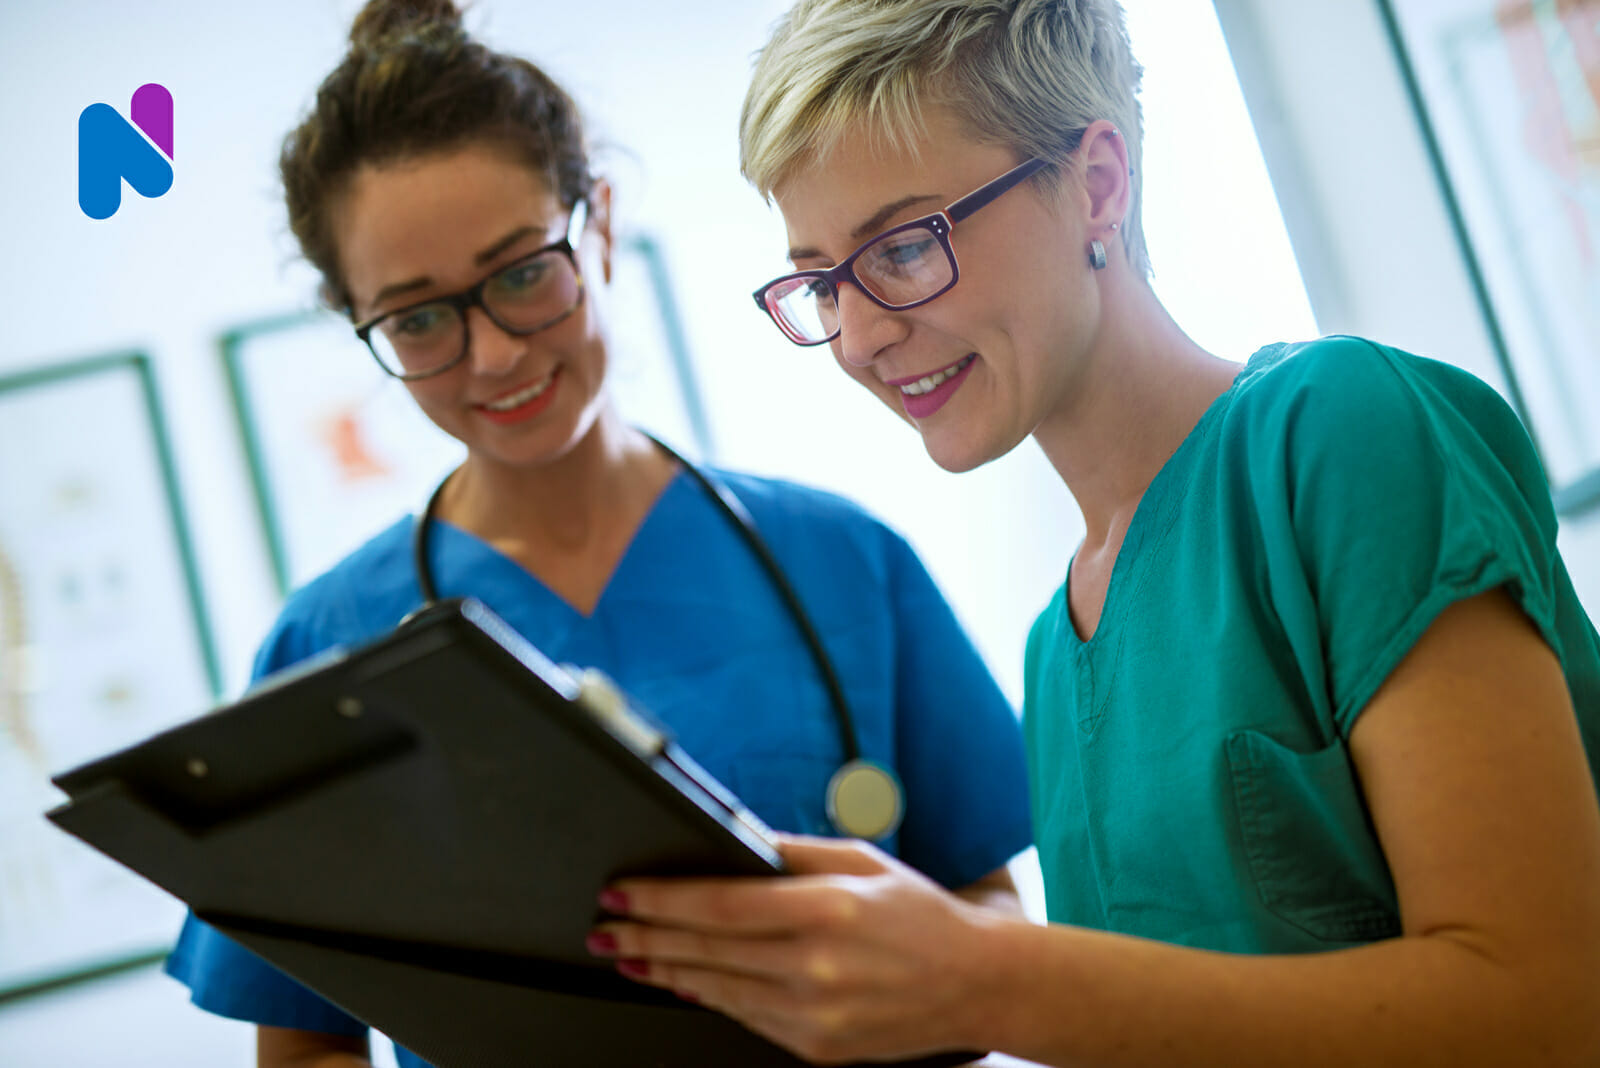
1508 93
103 642
338 450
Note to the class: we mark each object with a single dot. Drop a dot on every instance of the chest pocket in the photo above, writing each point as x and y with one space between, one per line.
760 721
786 789
1309 841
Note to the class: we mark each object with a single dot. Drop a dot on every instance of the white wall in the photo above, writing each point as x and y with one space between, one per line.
664 82
1364 208
169 274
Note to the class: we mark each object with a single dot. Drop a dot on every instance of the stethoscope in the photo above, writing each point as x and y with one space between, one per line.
864 799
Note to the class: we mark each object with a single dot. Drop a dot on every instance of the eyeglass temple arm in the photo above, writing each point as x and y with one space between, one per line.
979 197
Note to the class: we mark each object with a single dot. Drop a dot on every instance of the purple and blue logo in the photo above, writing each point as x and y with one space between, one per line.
110 149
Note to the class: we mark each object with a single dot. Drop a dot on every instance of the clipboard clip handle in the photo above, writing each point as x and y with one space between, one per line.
605 703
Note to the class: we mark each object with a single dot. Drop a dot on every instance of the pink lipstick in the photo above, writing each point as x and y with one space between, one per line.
922 404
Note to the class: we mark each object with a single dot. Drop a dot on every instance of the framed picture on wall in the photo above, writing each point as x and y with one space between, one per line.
338 450
103 641
1509 93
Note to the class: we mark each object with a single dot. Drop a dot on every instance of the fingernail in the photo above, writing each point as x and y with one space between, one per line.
601 944
614 901
634 969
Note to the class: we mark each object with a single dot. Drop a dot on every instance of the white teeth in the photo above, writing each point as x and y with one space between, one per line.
934 381
521 397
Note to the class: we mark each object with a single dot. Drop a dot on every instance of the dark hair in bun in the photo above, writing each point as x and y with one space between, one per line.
380 20
414 83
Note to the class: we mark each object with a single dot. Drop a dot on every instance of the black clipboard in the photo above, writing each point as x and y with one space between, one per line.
419 830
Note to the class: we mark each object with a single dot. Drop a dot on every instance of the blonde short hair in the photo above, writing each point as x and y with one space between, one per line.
1028 74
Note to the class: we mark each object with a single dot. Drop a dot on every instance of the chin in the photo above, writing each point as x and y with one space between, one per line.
958 457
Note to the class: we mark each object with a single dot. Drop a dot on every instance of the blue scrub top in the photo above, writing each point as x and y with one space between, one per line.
693 629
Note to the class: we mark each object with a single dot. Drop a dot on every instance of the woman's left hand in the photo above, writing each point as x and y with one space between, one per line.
851 956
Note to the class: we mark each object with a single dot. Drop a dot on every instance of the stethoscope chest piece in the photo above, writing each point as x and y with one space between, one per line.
865 800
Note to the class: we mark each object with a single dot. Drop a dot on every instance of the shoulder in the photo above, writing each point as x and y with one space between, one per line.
1382 486
1358 381
1331 377
360 597
781 508
819 532
380 572
795 501
1374 406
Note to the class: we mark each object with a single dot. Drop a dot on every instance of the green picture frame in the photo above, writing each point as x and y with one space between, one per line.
1507 96
104 640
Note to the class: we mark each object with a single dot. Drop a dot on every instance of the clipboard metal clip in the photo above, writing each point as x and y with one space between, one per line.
601 699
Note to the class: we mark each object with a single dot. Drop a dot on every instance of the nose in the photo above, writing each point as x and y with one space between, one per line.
865 329
492 351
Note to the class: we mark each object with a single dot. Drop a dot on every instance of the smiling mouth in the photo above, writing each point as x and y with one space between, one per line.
521 396
938 378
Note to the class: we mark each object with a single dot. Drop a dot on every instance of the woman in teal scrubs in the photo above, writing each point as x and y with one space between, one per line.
432 168
1308 719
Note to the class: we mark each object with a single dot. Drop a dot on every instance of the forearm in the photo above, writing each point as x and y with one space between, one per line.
1066 996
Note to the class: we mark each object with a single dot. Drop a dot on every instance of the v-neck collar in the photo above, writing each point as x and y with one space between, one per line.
1152 521
465 560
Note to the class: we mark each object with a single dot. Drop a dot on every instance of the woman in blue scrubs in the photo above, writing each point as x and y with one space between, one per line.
444 192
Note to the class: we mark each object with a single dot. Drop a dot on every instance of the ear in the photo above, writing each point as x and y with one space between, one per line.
1107 184
600 219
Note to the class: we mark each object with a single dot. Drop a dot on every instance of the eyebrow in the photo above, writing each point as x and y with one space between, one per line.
480 259
871 226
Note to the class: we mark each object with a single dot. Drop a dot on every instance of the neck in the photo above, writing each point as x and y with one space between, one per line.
1139 390
567 502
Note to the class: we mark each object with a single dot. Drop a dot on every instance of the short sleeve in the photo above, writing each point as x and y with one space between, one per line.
225 978
959 745
1410 485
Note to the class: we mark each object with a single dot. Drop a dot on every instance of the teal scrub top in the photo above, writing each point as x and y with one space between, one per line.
692 628
1191 775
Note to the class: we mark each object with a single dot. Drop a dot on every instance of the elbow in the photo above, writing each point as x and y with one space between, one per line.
1539 1009
1559 1023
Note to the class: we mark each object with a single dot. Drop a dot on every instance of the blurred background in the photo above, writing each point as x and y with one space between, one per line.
181 438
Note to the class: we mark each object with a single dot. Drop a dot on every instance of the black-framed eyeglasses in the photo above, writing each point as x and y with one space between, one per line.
534 293
903 267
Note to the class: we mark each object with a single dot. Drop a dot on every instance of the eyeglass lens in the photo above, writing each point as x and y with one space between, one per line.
525 297
900 268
